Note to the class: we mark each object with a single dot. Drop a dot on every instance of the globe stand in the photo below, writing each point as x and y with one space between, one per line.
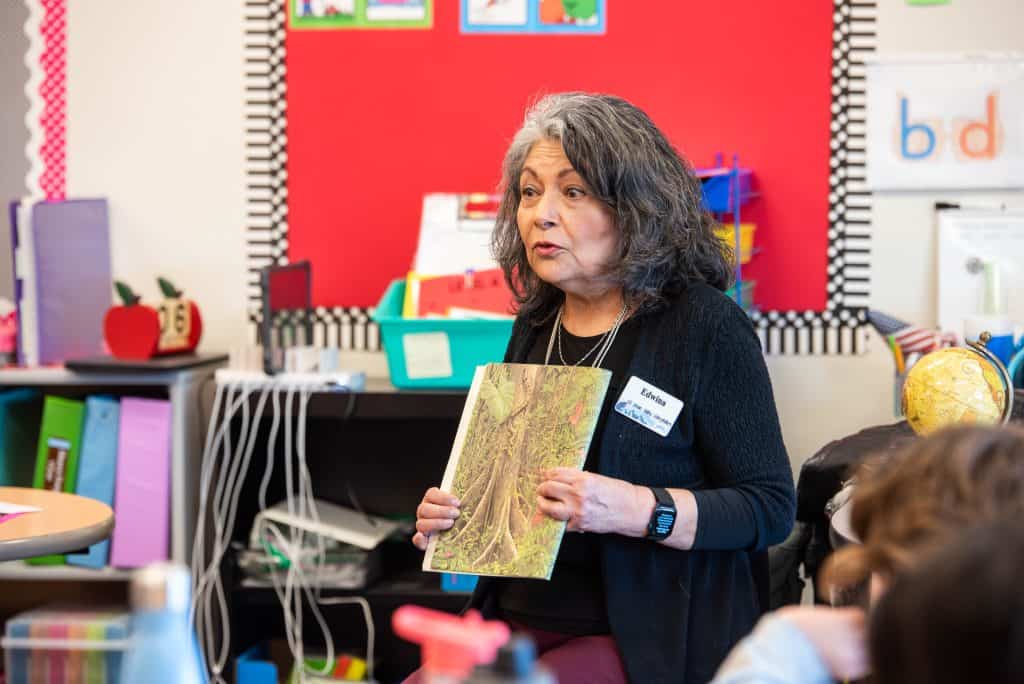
981 346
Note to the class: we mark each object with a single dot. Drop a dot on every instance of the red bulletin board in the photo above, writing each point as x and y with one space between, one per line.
375 119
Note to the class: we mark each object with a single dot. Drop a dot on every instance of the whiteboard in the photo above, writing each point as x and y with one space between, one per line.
965 239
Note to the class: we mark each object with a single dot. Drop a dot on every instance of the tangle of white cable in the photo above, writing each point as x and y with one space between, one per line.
209 586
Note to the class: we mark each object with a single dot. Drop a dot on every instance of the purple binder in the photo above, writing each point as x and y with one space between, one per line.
142 493
73 281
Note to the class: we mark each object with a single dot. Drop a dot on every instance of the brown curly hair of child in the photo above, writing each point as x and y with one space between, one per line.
910 503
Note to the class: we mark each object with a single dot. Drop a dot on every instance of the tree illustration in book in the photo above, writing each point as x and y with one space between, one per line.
519 421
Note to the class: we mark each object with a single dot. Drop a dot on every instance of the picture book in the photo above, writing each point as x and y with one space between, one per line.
519 420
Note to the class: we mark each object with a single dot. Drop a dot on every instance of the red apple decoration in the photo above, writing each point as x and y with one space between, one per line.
138 332
131 330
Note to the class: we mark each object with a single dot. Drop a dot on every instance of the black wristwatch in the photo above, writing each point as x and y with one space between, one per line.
663 518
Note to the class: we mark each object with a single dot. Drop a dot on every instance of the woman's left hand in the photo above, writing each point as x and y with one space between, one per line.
594 503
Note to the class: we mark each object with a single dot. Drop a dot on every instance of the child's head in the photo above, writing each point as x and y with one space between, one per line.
958 616
911 502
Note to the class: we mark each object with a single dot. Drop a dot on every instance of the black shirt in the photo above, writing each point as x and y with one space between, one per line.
572 602
675 614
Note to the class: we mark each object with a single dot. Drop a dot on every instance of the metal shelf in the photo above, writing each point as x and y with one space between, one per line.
19 570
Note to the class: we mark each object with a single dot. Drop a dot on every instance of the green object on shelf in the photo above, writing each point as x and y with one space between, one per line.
60 437
928 2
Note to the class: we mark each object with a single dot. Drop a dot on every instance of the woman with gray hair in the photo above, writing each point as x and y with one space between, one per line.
613 260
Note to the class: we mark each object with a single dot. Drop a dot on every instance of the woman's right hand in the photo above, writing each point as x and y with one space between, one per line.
436 512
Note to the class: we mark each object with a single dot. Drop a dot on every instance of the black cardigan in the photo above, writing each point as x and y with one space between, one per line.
675 614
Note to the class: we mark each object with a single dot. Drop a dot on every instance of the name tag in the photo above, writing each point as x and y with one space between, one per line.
653 408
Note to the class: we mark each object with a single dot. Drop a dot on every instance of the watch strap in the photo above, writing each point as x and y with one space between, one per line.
663 517
662 496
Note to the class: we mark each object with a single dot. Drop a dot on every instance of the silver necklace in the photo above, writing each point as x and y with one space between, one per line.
604 343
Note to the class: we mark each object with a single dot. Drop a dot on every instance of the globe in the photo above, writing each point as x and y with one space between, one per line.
959 385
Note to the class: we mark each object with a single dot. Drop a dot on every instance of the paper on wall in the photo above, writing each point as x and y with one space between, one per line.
945 122
966 239
450 243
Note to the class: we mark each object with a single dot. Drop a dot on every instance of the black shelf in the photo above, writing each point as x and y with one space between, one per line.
382 405
406 587
381 401
257 618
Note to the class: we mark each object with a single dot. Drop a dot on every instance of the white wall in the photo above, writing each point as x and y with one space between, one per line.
155 100
155 107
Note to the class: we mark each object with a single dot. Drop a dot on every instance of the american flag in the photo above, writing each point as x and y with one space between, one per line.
911 338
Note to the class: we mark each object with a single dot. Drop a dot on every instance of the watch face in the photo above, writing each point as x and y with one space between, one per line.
663 520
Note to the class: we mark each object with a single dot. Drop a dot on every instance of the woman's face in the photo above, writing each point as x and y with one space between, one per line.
569 234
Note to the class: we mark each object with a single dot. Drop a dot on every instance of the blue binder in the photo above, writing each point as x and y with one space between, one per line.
20 415
96 466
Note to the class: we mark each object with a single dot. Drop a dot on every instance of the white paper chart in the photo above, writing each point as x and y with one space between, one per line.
967 239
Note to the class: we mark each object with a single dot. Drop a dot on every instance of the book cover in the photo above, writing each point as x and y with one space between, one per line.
20 416
96 467
60 437
22 249
142 491
519 420
71 247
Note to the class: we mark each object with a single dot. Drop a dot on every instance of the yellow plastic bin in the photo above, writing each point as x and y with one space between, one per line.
727 233
436 352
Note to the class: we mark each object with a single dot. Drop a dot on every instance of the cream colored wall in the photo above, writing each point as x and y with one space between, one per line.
155 124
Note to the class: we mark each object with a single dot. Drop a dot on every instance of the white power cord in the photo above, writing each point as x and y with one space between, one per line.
209 611
208 593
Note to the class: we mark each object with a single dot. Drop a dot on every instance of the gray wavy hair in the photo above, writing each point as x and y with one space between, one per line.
667 238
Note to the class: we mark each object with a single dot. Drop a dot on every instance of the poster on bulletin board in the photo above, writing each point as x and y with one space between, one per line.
533 16
360 14
946 123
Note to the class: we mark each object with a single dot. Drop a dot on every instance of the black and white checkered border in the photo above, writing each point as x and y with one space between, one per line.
339 327
840 329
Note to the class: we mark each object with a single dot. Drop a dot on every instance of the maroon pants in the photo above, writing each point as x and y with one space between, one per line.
573 660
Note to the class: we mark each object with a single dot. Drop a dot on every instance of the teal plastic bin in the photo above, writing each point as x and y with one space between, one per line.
444 352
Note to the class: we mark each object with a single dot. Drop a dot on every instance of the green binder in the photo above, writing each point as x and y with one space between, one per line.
60 440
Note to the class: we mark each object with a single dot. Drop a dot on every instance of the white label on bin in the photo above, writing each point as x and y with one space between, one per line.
427 355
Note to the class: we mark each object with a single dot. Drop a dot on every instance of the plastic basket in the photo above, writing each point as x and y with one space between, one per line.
436 352
66 646
720 193
727 233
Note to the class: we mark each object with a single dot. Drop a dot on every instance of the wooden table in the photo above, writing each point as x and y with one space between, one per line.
66 523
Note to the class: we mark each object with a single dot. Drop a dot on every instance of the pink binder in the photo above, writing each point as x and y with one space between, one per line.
142 494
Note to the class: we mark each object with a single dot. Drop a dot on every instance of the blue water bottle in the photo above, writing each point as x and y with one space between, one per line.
162 650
